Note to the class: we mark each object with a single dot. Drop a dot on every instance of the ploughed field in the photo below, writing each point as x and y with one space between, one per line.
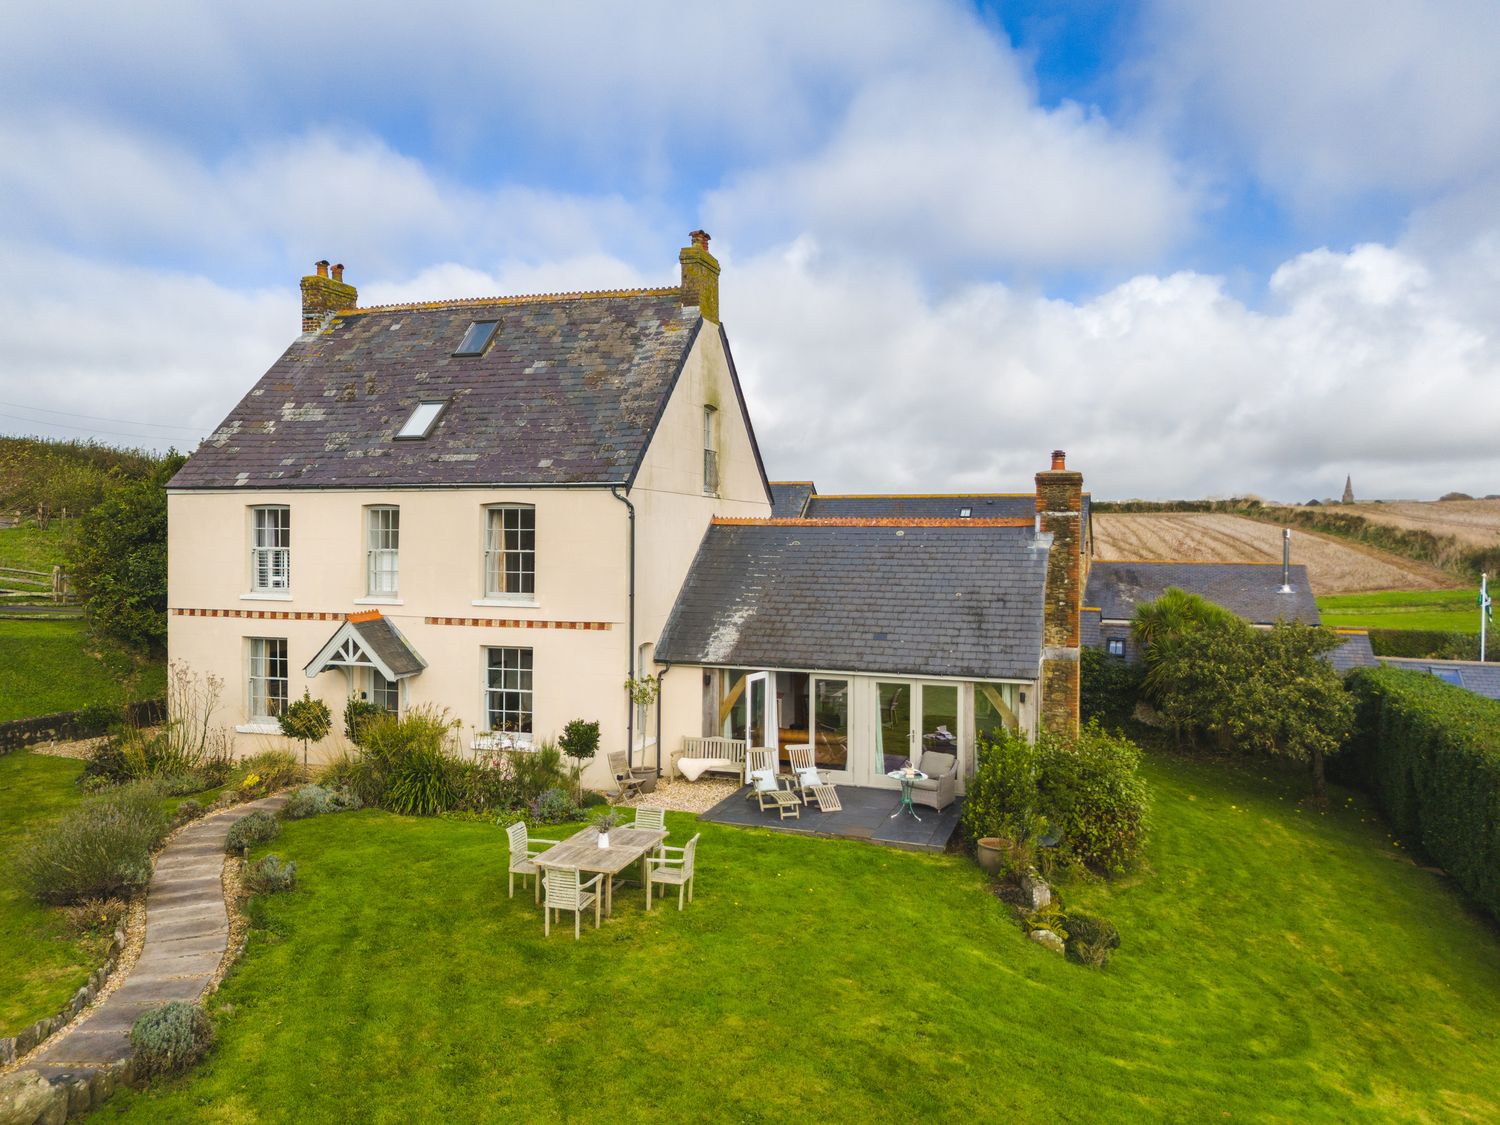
1334 566
1476 523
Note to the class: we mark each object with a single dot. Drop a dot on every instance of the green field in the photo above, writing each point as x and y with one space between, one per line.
1279 964
1447 611
50 666
43 965
33 548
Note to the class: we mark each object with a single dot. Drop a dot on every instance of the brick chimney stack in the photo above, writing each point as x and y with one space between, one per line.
322 296
1059 508
700 277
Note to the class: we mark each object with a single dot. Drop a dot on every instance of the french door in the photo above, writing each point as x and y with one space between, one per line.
912 718
751 710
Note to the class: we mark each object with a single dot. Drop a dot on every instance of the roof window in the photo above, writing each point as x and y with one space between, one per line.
1448 675
422 420
965 513
478 337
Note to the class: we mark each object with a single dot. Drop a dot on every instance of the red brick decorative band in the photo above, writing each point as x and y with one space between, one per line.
262 614
506 623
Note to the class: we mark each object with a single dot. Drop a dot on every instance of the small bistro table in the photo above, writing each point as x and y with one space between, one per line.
582 850
906 779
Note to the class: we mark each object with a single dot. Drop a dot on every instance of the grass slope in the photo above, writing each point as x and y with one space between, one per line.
32 548
49 666
1449 611
1279 964
42 966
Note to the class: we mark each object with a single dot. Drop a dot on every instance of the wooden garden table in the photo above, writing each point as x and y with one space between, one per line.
582 850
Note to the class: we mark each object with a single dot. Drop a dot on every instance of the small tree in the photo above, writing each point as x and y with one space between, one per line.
580 741
357 714
308 720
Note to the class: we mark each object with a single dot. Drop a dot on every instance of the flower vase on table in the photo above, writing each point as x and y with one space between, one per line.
603 823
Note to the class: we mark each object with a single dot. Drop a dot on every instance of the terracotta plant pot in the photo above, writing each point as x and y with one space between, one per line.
989 854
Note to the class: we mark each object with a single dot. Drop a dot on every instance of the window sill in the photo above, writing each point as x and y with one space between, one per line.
266 596
379 599
513 603
258 728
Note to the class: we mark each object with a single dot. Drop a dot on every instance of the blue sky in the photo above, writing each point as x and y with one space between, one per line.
1207 248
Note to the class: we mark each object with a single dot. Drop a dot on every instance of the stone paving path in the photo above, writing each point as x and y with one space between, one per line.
187 933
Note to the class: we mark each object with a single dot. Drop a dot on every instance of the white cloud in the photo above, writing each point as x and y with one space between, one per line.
1162 386
1335 99
954 165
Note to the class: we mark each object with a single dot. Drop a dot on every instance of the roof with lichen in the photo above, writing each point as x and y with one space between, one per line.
568 393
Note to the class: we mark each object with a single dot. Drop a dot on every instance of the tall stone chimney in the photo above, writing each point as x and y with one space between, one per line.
1059 509
700 277
322 296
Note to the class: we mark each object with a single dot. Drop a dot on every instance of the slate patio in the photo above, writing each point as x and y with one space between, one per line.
866 815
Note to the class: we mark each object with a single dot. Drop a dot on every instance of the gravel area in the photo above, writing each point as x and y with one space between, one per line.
80 749
681 795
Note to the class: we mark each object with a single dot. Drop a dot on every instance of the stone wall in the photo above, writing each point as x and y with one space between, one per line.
68 725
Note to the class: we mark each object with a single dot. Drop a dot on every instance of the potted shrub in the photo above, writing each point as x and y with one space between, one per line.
604 822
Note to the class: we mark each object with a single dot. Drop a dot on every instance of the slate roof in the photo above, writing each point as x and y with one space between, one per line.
1247 589
1481 679
790 497
941 600
385 641
919 506
569 392
1355 652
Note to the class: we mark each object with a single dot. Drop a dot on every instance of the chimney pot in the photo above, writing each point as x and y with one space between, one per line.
700 239
338 272
1059 460
322 267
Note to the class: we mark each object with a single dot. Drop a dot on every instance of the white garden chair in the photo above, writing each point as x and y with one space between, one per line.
521 855
565 890
664 870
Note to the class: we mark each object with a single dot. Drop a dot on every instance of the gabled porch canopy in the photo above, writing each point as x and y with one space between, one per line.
368 640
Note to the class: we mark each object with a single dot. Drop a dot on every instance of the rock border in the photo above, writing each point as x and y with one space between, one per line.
17 1046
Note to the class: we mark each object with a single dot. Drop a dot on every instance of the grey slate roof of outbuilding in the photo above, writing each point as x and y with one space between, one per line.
896 506
1481 679
568 392
917 600
789 497
1355 652
1250 590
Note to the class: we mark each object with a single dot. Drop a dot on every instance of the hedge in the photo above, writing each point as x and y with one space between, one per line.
1109 688
1430 753
1430 643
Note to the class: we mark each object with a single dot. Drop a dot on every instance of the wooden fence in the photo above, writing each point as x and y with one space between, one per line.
16 582
68 725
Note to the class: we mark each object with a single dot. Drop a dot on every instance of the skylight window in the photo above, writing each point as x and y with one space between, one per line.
1448 675
422 419
965 513
478 337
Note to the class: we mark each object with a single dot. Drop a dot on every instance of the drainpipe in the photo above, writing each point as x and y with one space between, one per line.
666 666
614 490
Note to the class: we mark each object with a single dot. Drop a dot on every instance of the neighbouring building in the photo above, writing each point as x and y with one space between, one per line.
506 507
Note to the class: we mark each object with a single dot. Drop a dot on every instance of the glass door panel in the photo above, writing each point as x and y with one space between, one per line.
830 724
733 711
893 727
760 701
940 719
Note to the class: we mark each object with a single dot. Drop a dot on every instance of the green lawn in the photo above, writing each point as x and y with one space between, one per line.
49 666
1278 964
1448 611
42 966
32 548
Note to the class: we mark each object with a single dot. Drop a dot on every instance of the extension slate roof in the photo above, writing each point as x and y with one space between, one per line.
568 392
1355 652
1481 679
790 497
1250 590
919 506
943 600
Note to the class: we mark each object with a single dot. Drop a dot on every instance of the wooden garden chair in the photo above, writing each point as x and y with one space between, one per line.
628 778
566 890
521 855
664 870
805 775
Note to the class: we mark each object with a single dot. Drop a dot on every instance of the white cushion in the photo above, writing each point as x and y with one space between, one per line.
809 776
764 780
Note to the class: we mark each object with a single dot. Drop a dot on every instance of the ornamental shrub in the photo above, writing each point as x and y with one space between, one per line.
314 800
1095 798
267 772
1090 940
1003 799
254 828
1430 753
188 810
553 806
271 874
170 1039
100 849
1110 687
358 712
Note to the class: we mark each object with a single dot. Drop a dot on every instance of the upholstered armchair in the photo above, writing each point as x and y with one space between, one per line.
937 791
